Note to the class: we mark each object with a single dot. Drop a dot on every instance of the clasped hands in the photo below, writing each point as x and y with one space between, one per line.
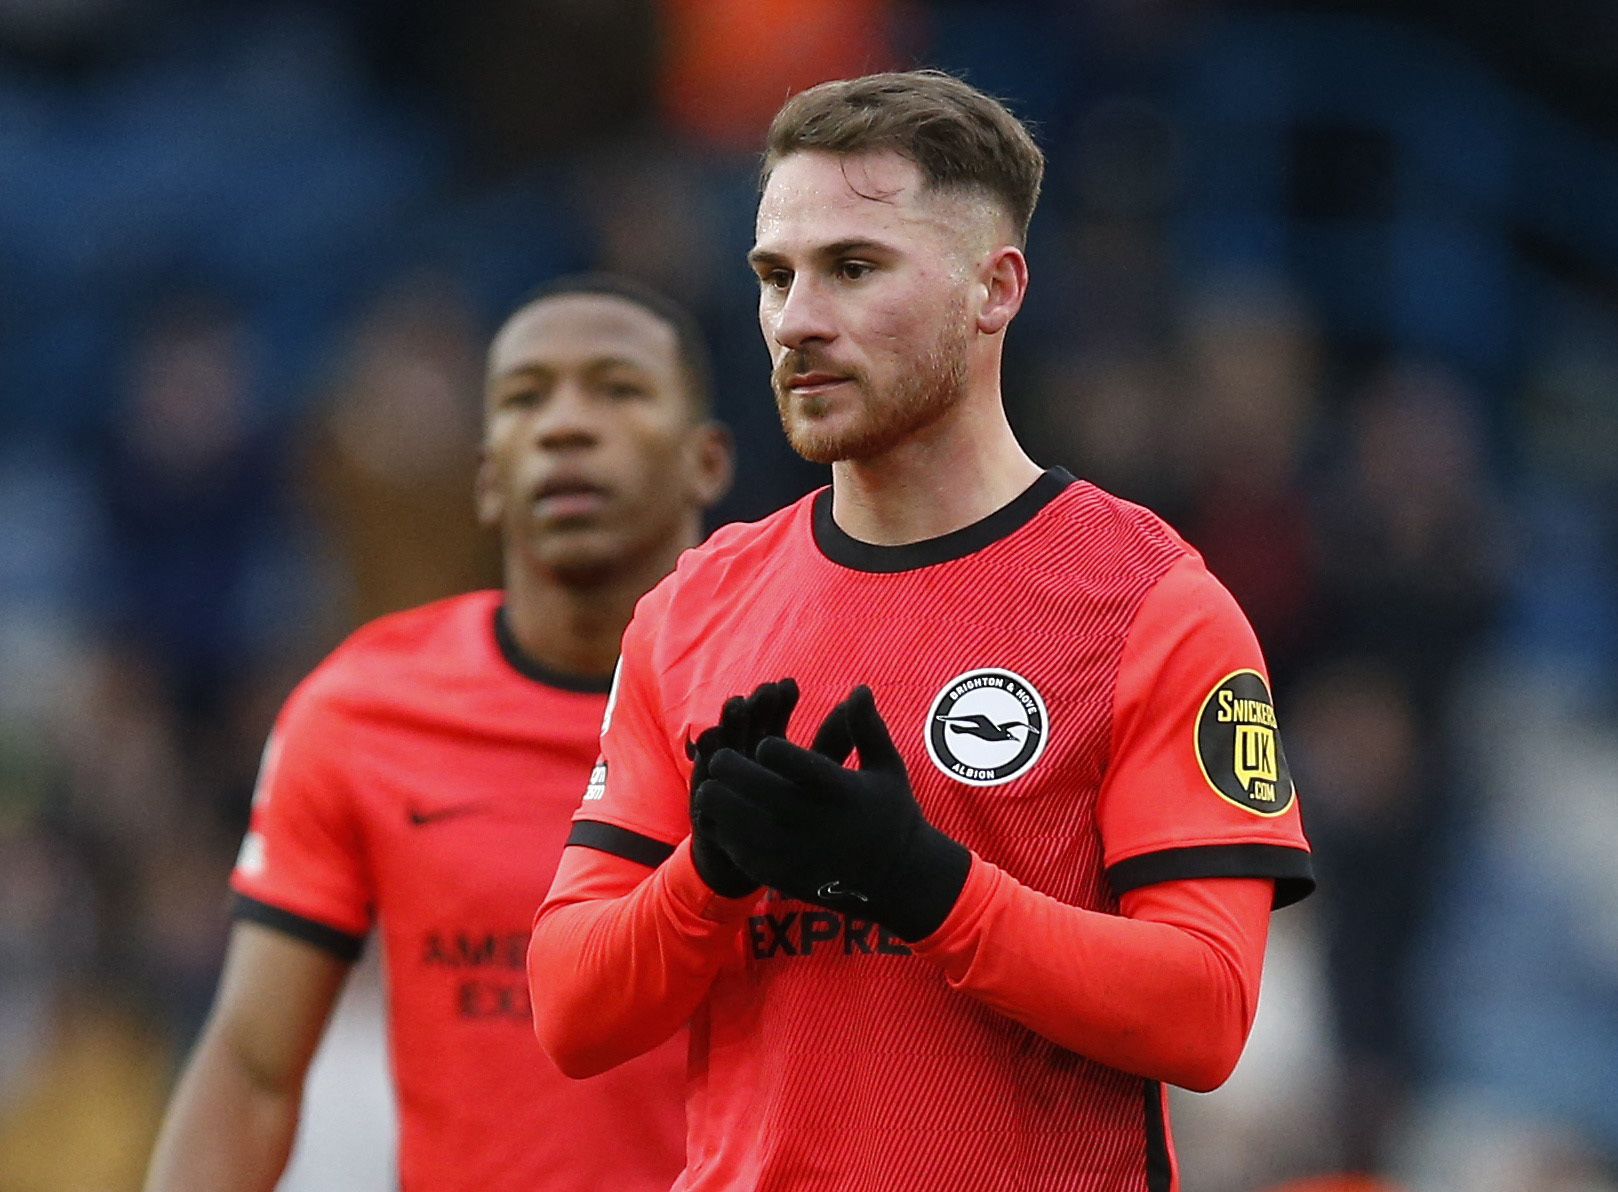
766 812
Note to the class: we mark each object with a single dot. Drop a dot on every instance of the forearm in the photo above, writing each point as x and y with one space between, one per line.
613 972
1166 990
227 1129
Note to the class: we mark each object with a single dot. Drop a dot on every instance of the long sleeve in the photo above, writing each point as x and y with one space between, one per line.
1166 990
620 957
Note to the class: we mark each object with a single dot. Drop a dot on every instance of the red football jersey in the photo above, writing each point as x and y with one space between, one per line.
423 776
1076 700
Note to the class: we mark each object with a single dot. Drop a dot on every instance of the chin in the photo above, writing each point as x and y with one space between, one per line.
579 559
877 425
819 449
822 444
583 571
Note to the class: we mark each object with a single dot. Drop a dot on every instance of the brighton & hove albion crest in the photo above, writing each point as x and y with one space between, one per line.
986 727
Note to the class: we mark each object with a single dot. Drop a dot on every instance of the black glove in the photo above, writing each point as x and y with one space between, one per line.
743 723
849 840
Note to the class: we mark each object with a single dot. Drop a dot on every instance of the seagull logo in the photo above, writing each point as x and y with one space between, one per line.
980 726
986 726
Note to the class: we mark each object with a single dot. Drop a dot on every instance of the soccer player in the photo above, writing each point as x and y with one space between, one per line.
423 775
974 957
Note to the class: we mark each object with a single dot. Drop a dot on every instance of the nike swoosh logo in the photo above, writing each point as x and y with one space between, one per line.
838 890
420 818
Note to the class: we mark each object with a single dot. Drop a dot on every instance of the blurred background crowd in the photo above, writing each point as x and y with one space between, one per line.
1333 288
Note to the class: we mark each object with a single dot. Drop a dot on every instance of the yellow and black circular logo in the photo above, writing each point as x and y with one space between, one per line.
1239 748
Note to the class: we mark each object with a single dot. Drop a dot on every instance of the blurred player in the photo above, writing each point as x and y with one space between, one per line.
422 778
973 959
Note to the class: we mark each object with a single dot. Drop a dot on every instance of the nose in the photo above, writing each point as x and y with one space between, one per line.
803 316
567 419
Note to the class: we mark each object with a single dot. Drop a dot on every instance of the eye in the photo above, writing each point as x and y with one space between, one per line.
775 279
519 399
624 390
853 270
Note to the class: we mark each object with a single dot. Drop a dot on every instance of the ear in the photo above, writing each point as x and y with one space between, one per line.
486 498
1004 281
712 462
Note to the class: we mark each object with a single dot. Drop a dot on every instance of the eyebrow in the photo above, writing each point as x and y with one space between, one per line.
838 248
593 364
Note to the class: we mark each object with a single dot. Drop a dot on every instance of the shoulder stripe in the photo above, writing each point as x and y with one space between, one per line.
1159 1164
620 842
339 943
1292 869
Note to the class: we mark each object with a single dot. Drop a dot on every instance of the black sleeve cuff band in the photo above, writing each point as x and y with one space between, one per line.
620 842
1291 868
339 943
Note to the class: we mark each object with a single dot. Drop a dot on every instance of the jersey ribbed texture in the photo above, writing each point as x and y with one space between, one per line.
418 783
864 1070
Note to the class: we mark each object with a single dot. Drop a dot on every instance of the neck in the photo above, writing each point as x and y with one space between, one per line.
955 472
576 628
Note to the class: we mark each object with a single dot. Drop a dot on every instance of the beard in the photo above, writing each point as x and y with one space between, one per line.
923 393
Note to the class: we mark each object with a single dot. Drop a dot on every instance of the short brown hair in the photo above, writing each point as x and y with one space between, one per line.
958 137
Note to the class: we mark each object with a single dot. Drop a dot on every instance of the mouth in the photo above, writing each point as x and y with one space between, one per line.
813 384
565 498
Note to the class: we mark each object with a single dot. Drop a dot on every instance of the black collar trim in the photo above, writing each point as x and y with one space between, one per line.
531 668
848 552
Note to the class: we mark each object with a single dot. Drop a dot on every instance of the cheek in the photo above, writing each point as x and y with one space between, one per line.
656 461
914 314
496 455
769 314
894 328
